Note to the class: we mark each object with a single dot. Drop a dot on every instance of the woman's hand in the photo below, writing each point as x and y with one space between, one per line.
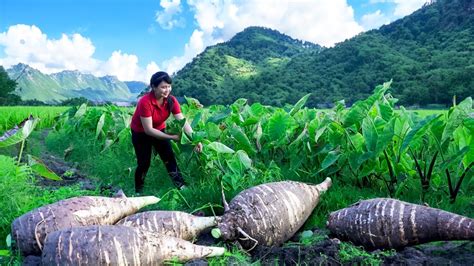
174 137
198 147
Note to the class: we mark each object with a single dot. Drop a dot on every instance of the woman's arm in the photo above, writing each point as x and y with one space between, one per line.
149 130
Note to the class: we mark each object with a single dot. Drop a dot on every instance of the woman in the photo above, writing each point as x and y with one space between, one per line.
148 130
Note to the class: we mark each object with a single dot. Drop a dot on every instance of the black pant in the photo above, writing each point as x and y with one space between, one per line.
143 144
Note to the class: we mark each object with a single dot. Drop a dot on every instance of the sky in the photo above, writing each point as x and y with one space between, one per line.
132 39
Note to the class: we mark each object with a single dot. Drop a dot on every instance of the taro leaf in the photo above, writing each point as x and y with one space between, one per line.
193 103
100 125
454 158
299 104
81 111
186 139
361 108
258 135
370 133
220 116
418 131
277 126
213 131
233 180
357 141
319 132
18 134
329 160
243 142
469 122
385 137
240 162
39 168
219 147
386 111
107 144
196 119
459 113
244 159
302 136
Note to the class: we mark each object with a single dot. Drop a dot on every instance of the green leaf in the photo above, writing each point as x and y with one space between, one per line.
18 134
240 162
370 134
100 125
242 139
329 160
418 131
456 118
39 168
4 253
81 111
277 126
213 131
385 138
386 111
299 104
244 159
196 119
219 147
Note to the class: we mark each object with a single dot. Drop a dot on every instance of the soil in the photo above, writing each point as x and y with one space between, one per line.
327 252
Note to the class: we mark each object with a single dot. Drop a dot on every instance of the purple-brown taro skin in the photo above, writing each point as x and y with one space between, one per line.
30 229
271 213
118 245
388 223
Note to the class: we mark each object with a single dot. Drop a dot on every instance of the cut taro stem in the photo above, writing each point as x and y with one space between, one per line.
248 237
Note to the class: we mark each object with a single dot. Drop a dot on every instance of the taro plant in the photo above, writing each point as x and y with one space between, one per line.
19 134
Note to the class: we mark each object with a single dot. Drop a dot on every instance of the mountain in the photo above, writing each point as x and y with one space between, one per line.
429 55
213 76
135 87
32 84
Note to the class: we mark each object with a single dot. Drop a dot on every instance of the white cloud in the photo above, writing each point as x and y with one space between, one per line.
400 9
27 44
167 18
24 43
325 22
374 20
406 7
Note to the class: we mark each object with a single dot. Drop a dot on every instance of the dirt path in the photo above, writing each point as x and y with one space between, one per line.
66 170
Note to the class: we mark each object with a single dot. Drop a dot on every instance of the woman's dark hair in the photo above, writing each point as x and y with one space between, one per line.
158 77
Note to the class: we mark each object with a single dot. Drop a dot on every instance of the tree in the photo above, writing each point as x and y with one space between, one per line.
7 87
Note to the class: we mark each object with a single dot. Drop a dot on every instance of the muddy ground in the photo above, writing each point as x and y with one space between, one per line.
325 251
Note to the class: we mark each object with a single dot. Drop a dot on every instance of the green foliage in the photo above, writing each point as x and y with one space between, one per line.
7 87
11 116
428 55
349 252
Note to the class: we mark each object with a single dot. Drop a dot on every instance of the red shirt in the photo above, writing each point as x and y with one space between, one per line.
147 106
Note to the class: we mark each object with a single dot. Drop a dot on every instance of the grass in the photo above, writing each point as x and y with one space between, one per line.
12 115
350 253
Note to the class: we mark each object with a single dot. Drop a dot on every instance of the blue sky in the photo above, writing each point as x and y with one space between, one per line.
133 39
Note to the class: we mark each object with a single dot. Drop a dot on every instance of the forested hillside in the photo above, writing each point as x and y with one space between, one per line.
429 55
